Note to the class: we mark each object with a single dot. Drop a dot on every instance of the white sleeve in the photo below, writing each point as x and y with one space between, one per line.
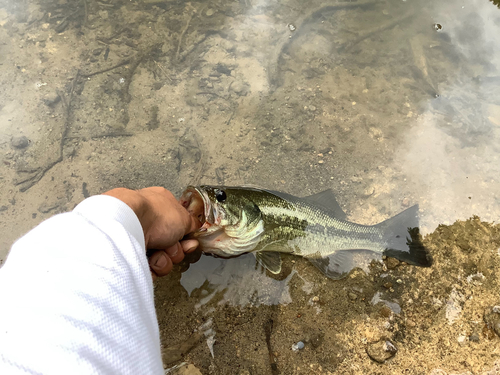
76 296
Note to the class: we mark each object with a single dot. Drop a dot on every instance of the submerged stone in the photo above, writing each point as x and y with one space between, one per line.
492 318
20 142
381 350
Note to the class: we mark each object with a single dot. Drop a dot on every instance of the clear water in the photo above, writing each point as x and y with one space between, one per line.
389 104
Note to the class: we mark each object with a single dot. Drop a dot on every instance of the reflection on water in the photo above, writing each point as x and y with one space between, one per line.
238 281
451 152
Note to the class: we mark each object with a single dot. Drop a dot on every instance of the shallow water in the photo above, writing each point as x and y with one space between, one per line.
389 104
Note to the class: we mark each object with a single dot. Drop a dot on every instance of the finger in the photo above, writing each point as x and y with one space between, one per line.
175 253
160 263
188 246
195 224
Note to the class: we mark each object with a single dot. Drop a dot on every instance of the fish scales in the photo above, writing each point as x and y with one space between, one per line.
312 229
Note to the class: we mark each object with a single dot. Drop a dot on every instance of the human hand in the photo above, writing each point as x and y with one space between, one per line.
164 222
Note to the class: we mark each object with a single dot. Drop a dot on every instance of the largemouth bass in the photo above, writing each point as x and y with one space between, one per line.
237 220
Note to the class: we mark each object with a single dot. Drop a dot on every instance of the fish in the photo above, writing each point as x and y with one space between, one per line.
239 220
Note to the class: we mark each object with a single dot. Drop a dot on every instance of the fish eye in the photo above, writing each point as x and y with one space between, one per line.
220 195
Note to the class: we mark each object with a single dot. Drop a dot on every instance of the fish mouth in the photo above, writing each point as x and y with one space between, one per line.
196 201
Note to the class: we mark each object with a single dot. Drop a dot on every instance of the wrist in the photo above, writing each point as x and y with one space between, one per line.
137 202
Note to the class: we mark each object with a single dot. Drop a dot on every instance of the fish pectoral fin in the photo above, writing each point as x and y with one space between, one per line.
270 260
327 200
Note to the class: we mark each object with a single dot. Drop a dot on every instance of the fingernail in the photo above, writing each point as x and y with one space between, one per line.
191 249
173 251
161 261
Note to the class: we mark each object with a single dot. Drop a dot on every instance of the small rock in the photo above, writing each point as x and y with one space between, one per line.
492 318
405 202
388 285
20 142
385 312
381 351
312 108
369 191
240 88
474 337
3 208
103 14
352 296
462 339
209 12
298 346
315 299
51 100
392 263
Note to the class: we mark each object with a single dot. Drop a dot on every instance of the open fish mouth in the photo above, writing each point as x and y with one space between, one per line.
197 202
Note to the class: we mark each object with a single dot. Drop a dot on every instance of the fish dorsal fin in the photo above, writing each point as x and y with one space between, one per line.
327 200
270 260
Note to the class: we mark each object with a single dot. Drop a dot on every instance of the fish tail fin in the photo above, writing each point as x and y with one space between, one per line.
403 239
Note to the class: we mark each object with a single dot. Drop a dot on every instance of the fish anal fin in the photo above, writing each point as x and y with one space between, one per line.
327 200
270 260
338 265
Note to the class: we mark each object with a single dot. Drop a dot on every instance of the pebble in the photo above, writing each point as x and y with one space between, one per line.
474 337
3 208
51 100
20 142
298 346
462 339
405 202
352 296
209 12
315 299
392 263
103 14
381 350
240 88
492 318
312 108
369 191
